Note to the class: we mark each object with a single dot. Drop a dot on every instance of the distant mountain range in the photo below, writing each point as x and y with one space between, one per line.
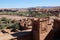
31 8
39 9
47 6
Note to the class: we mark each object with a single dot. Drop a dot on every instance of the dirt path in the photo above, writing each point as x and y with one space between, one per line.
12 17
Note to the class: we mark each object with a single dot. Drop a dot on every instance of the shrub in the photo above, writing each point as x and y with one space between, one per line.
14 26
3 26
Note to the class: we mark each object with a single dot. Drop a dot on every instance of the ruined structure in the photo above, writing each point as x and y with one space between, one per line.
42 29
56 29
35 29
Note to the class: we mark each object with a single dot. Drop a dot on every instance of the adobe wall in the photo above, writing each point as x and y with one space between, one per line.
35 29
40 28
50 32
44 28
55 33
56 29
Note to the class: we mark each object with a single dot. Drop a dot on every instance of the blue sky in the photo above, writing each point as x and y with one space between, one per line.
27 3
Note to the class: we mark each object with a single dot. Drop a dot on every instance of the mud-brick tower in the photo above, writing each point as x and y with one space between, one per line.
39 27
35 28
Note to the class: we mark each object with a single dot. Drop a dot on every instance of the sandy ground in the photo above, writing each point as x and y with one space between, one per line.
14 17
6 36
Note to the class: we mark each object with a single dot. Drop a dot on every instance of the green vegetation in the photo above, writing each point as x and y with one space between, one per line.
14 13
36 14
8 23
32 14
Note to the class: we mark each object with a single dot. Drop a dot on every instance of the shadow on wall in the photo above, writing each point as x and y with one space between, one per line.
23 35
50 36
55 33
